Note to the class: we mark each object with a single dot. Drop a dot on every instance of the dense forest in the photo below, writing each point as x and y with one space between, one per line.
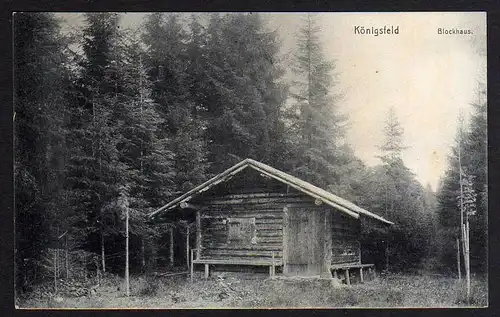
107 116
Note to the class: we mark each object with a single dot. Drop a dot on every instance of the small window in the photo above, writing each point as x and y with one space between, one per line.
241 230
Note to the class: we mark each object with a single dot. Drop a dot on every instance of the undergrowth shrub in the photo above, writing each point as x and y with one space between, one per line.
147 286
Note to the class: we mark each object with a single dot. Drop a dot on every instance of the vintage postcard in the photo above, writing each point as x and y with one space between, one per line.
250 160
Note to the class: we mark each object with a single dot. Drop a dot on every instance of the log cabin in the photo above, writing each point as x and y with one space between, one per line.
255 215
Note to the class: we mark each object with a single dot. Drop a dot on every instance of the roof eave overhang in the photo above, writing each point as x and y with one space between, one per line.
246 163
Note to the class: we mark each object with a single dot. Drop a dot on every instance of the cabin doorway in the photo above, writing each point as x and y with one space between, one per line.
303 254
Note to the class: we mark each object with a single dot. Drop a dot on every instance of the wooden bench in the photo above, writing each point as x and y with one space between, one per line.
346 267
272 263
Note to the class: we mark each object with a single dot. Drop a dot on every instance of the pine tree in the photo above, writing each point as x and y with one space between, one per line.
315 116
147 156
476 166
244 93
169 68
403 202
95 172
40 80
473 145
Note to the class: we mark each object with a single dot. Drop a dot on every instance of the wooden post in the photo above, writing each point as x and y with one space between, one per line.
143 255
465 227
171 246
347 278
467 257
387 254
459 268
198 234
187 246
285 237
85 266
55 270
272 265
57 262
359 250
67 262
102 251
206 271
192 265
361 274
127 282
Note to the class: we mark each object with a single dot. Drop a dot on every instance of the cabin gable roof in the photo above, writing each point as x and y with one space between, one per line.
300 185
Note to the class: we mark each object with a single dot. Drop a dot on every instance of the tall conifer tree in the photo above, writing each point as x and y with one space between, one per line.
316 118
40 80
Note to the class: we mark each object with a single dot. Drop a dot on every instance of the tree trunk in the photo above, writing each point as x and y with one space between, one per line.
387 255
467 257
67 262
127 285
55 270
459 269
171 249
143 255
103 254
187 246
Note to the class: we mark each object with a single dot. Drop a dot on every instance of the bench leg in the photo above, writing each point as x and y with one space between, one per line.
191 272
206 271
347 279
191 266
335 274
361 274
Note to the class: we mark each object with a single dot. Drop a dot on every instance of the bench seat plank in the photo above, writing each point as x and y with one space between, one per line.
277 262
349 266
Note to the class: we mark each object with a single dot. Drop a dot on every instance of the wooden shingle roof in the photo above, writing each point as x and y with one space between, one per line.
300 185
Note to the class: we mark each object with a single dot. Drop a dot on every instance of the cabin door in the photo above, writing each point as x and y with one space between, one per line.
302 245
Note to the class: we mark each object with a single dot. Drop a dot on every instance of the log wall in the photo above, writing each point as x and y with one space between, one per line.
346 232
265 208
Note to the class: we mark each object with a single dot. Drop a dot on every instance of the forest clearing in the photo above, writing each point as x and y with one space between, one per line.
238 290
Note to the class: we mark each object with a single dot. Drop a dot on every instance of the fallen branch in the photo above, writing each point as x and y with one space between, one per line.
170 274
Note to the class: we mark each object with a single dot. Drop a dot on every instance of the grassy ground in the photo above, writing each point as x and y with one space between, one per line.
226 290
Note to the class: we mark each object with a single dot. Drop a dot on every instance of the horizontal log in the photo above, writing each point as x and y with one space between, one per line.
259 218
222 224
259 221
263 242
247 213
254 247
256 200
240 253
269 233
221 215
214 231
214 235
269 240
261 195
260 230
268 226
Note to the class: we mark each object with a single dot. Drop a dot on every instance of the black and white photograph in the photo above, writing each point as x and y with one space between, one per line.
248 160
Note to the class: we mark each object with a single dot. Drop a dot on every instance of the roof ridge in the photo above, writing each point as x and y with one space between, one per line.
306 187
